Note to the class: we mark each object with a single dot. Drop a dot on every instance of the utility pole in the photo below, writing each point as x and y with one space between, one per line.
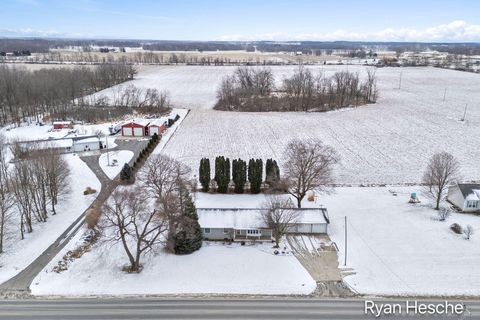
106 145
345 262
444 94
400 80
465 112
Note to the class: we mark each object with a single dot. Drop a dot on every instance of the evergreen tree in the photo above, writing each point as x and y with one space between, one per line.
255 174
222 174
272 172
126 174
204 174
239 174
188 237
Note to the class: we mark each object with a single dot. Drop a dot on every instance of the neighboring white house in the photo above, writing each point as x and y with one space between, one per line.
87 144
465 196
242 224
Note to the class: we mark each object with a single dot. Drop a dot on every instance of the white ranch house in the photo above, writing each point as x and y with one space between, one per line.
465 196
247 224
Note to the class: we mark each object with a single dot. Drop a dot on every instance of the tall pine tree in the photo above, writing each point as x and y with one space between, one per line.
255 175
188 236
239 173
272 172
204 174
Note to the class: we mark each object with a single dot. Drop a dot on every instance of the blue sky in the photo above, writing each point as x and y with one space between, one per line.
405 20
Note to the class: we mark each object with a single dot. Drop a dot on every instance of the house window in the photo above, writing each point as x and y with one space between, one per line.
207 230
239 232
225 231
472 204
253 232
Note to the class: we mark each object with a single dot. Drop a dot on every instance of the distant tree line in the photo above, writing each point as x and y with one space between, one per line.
225 179
253 89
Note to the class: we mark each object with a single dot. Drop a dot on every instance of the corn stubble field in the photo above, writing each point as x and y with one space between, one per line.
384 143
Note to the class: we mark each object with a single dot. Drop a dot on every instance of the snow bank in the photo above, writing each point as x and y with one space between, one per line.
20 253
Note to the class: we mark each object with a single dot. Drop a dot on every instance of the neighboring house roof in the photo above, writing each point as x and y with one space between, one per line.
48 144
62 122
158 122
246 218
88 140
470 191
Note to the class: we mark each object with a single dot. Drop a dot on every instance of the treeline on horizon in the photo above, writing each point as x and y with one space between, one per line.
41 45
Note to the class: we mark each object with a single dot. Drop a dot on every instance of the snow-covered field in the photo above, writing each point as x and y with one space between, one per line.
397 248
215 268
388 142
117 160
20 253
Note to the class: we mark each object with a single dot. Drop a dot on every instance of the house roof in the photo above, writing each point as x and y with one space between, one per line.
88 140
470 191
246 218
141 122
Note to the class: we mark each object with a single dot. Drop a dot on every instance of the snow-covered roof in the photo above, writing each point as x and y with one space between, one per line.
62 122
158 122
470 191
48 144
143 122
88 140
474 196
248 218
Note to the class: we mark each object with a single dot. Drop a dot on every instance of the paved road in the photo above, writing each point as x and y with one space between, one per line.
20 284
215 308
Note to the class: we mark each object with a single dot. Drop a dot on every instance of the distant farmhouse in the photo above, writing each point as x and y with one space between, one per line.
465 196
247 224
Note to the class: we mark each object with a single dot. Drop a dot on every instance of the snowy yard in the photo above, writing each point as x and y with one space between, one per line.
117 160
215 268
400 249
387 142
20 253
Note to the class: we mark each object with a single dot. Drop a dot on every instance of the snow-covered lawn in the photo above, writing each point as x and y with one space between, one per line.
215 268
20 253
387 142
117 160
400 249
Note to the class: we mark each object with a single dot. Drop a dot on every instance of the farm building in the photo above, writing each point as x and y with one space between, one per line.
247 224
136 128
57 125
465 196
86 144
157 126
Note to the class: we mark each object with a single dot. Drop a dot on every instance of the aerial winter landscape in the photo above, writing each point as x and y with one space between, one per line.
213 160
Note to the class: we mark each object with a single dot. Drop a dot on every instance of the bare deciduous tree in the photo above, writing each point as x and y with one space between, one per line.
6 199
308 167
279 214
138 227
441 171
468 231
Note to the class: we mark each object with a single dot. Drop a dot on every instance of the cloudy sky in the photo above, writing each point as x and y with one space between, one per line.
367 20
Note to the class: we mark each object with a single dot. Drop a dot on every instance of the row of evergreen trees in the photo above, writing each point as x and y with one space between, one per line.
240 173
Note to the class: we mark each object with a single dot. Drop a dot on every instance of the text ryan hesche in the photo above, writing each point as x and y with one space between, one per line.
414 307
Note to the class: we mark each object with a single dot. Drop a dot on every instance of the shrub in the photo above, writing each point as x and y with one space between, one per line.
456 228
88 191
126 174
92 217
443 213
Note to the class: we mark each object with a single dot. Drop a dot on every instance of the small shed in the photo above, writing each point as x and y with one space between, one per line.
136 128
157 126
57 125
87 144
